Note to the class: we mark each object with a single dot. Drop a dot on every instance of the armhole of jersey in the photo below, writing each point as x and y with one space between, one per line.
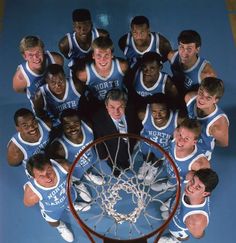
25 75
70 44
55 163
128 39
64 147
118 66
146 114
33 189
20 148
88 74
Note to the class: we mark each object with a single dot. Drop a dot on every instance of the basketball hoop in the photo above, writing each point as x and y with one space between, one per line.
124 208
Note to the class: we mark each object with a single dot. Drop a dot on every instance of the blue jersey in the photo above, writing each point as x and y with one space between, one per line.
183 164
34 80
54 105
177 225
161 135
133 54
206 142
53 200
158 87
191 76
28 149
75 51
72 150
101 85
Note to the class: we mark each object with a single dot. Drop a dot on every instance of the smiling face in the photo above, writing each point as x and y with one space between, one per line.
35 58
151 72
188 53
71 126
57 84
103 59
185 139
141 34
83 30
45 177
160 114
205 100
115 108
28 128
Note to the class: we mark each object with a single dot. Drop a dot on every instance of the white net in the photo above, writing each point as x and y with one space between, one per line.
123 204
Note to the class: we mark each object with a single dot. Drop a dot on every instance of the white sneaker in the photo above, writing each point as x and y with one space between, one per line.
81 206
168 239
166 205
162 186
165 215
96 179
150 177
65 233
143 170
83 192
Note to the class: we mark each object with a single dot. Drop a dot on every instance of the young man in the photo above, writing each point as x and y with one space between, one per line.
141 40
185 154
116 117
75 137
202 105
47 187
159 123
77 45
188 68
192 216
32 137
30 75
57 94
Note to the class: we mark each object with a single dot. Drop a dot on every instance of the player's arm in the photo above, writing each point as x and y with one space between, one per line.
19 82
58 58
30 198
64 47
196 225
164 47
64 163
208 71
14 154
56 150
189 96
170 89
201 163
220 131
122 42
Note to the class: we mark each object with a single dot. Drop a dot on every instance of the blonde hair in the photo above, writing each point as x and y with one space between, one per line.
29 42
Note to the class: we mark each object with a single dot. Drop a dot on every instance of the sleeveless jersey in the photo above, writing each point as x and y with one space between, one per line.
158 87
206 142
100 85
34 81
29 149
191 76
75 51
177 225
133 54
55 105
72 150
161 135
53 200
183 164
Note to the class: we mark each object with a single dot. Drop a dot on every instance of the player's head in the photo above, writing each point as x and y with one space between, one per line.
102 48
160 108
203 182
209 93
40 167
26 124
71 123
56 79
151 65
186 134
115 102
82 23
189 36
140 30
30 42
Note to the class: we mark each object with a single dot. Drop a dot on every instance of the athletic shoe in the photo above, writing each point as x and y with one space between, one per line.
151 173
81 206
96 179
165 206
162 186
165 215
83 192
65 233
168 239
142 172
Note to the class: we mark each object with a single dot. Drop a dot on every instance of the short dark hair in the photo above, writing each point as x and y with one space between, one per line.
21 113
81 15
190 36
54 69
151 56
37 161
139 20
214 86
208 177
116 94
68 113
159 98
193 125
